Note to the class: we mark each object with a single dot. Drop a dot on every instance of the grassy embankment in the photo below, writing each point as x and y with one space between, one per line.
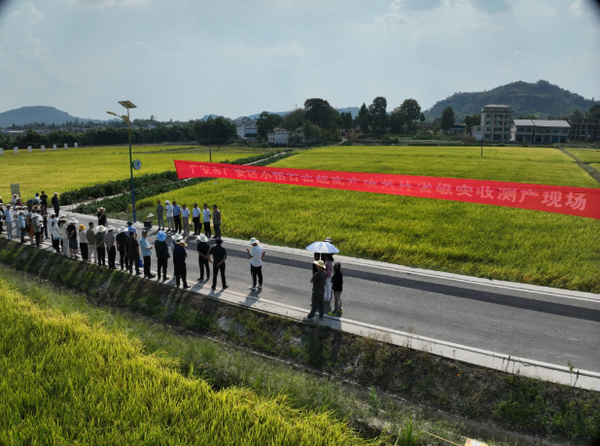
64 170
474 239
68 380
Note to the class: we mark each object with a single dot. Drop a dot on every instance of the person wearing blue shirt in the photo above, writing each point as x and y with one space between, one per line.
177 217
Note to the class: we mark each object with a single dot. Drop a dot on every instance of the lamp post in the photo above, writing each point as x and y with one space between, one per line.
128 105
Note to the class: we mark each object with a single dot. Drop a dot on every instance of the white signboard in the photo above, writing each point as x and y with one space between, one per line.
66 146
16 150
53 146
1 151
76 145
43 148
29 149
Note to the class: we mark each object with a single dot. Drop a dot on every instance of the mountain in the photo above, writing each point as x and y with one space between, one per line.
29 115
541 99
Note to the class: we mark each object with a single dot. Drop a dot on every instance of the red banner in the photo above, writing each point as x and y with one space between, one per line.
582 202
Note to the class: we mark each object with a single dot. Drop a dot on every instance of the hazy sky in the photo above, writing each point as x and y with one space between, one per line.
182 59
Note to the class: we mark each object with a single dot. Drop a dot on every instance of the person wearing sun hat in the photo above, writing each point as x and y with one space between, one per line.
101 215
72 238
318 291
256 257
203 247
162 255
111 251
179 258
83 243
101 245
91 238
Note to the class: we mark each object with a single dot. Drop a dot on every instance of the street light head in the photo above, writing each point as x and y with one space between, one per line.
127 104
112 113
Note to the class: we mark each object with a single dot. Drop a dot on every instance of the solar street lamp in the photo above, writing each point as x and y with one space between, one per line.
128 105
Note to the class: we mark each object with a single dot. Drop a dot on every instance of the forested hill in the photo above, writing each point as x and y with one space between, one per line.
28 115
541 99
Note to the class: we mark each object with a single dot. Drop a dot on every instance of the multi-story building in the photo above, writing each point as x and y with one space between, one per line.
585 129
543 131
496 121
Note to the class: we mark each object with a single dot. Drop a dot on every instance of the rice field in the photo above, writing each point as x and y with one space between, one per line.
474 239
67 380
64 170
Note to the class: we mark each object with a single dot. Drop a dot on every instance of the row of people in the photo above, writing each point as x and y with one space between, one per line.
178 218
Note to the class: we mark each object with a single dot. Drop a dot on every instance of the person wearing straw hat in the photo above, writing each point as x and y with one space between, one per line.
72 238
111 251
101 217
318 291
179 257
101 245
256 260
162 255
203 247
83 244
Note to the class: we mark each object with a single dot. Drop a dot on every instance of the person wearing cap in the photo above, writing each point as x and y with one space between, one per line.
132 248
101 215
256 260
219 256
55 203
146 251
169 210
206 219
72 238
121 240
111 251
101 245
162 255
160 215
91 237
203 247
179 257
318 291
131 228
83 244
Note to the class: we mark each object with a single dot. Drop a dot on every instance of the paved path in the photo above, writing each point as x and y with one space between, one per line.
536 331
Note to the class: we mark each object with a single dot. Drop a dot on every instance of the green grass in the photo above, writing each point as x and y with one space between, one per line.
474 239
64 170
69 380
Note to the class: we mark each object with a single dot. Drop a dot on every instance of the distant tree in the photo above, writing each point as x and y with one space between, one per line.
529 116
319 112
293 120
363 119
346 120
576 114
447 120
397 119
472 120
422 118
378 114
593 112
214 131
266 122
310 131
412 111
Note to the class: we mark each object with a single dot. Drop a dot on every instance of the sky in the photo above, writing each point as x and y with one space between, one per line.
183 59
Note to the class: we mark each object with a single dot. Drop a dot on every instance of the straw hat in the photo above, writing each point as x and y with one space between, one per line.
73 220
202 238
177 237
100 229
110 228
81 227
320 264
253 241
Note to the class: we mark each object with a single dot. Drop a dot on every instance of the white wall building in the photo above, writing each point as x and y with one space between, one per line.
544 131
278 136
247 132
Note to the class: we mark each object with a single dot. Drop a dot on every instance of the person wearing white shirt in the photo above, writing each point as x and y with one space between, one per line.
256 260
196 219
169 209
185 218
206 220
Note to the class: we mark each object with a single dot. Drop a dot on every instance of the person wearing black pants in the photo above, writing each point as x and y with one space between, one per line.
162 254
203 248
179 256
219 256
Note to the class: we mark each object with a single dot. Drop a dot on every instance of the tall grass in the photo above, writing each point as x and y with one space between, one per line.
475 239
66 380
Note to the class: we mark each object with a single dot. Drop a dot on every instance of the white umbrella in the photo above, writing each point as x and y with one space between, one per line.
322 247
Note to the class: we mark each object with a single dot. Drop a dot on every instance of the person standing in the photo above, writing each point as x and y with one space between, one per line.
64 236
8 218
162 254
217 221
337 282
185 218
329 271
169 210
21 226
160 212
206 220
146 249
196 219
179 257
44 225
318 280
177 217
72 236
111 251
55 232
203 247
121 240
44 201
101 245
56 203
133 253
83 243
256 260
101 217
91 237
219 256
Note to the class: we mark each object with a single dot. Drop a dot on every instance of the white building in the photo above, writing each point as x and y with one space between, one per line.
278 136
542 131
495 125
247 132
